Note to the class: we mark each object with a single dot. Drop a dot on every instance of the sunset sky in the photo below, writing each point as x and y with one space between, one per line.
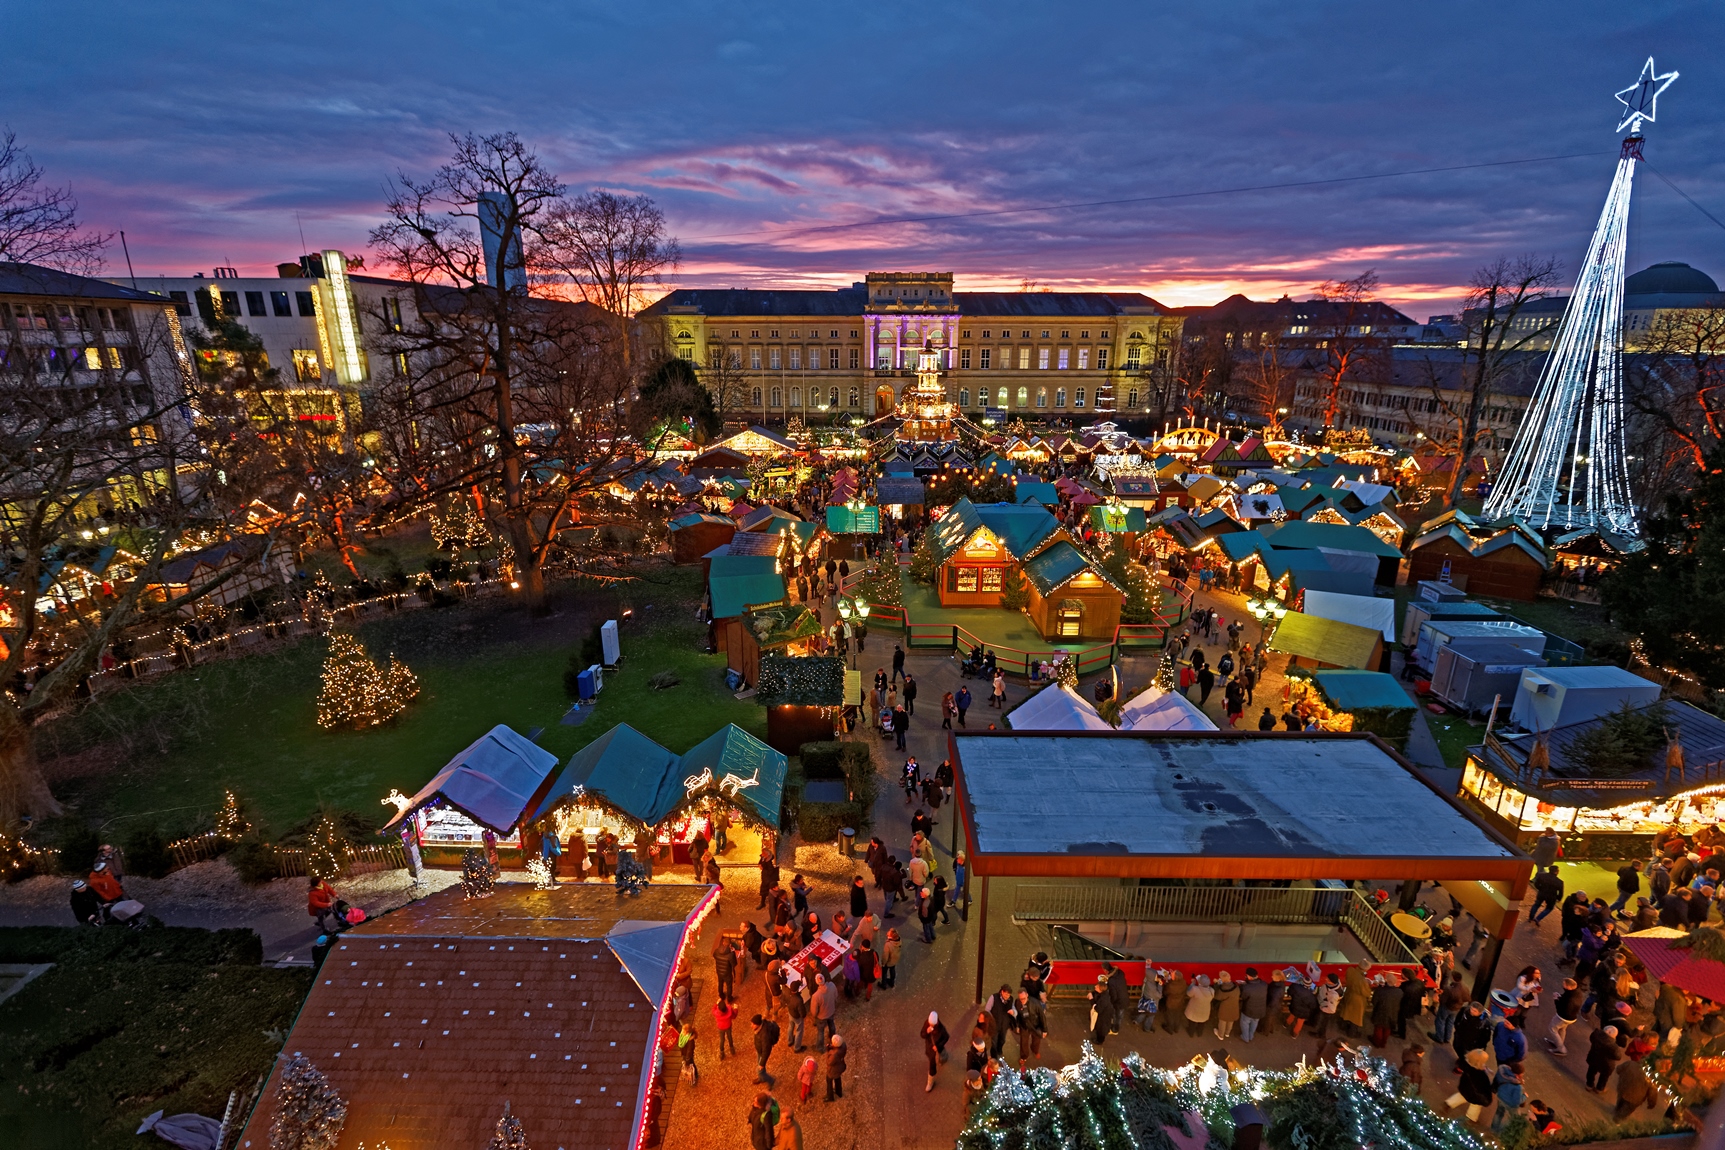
213 133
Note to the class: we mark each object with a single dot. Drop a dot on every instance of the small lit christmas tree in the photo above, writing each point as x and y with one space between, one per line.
357 693
1066 672
477 881
1014 591
231 822
509 1135
326 850
309 1113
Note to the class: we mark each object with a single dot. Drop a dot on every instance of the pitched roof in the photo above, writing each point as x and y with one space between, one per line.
734 594
733 753
1054 567
1301 535
621 752
558 988
492 782
1020 528
1031 491
891 490
776 626
697 518
1326 641
1349 690
34 279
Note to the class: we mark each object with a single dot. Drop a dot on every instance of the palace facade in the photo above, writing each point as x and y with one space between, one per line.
819 354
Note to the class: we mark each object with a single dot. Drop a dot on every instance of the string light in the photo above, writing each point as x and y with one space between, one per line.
309 1114
357 692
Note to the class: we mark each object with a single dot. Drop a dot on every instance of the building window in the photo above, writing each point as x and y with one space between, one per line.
1060 397
401 365
964 358
280 304
966 335
1042 358
854 399
1132 397
306 302
966 579
1078 398
778 398
796 397
230 304
736 358
773 362
1065 359
992 577
1101 359
833 358
796 359
985 358
755 397
255 303
1132 360
1044 334
1083 358
774 334
964 397
856 356
1024 397
754 359
715 356
833 397
307 370
1042 397
1024 357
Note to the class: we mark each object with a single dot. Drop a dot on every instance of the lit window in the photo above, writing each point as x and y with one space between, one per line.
754 359
93 358
307 370
1042 397
964 397
833 397
773 357
853 399
967 579
1042 358
1083 358
1060 397
1024 357
1024 397
1131 358
1078 398
992 578
1065 360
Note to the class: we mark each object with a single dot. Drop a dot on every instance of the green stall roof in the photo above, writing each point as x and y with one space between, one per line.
1363 690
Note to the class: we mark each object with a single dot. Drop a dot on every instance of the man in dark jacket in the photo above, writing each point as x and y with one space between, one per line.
1206 684
1628 885
1003 1008
1472 1032
1564 1013
1548 886
1659 882
1254 1003
900 724
835 1068
766 1037
769 875
1386 1010
1117 996
1032 1024
897 661
909 694
1278 989
1572 918
859 898
763 1122
1413 1005
725 966
1674 909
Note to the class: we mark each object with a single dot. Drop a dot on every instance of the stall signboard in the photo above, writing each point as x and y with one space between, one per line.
843 520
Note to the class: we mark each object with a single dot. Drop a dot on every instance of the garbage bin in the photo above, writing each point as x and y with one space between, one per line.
848 841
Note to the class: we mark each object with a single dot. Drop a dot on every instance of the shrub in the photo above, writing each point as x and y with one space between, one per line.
78 847
851 762
820 822
147 853
74 944
254 860
821 760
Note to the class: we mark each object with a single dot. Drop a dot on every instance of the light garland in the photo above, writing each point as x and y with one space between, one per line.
309 1114
357 692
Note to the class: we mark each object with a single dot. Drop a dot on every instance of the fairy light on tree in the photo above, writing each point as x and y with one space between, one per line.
309 1113
326 850
231 822
357 693
509 1134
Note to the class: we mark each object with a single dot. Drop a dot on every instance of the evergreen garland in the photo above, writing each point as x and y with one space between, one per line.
631 875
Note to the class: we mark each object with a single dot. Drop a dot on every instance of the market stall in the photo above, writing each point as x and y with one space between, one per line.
477 801
1372 701
804 697
655 802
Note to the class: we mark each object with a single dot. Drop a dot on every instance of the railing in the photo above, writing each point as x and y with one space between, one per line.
1339 906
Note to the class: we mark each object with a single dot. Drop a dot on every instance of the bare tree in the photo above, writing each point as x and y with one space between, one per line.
1493 339
497 390
1270 382
39 222
1351 354
612 248
1677 377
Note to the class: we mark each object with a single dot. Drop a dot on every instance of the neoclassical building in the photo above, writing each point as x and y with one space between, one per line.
815 353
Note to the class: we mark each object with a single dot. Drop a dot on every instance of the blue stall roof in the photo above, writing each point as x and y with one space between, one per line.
492 782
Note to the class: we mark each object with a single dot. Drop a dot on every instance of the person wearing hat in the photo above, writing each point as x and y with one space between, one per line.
934 1039
1476 1089
1101 1011
835 1067
86 904
1602 1058
1254 1003
1329 1002
1510 1095
1302 1001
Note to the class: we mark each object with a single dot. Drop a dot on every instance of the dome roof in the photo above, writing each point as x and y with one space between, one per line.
1669 278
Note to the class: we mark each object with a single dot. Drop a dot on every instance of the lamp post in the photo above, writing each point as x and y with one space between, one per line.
845 616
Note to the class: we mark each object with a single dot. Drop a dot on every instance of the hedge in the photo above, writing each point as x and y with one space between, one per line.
854 764
821 822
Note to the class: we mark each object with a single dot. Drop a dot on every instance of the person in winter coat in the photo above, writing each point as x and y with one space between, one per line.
790 1134
1476 1090
1199 998
1329 1005
686 1048
1670 1011
1634 1090
1032 1025
1003 1009
1472 1032
1226 1004
1356 1002
1413 1067
859 897
1564 1012
836 1068
1508 1041
1450 1003
763 1122
1173 1002
889 957
1510 1095
1254 1003
1548 889
1302 1004
766 1037
1101 1012
934 1039
1386 1010
1413 1005
1118 998
1602 1058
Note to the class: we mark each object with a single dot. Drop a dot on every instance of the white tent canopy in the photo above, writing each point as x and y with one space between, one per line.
1154 709
1056 708
1361 610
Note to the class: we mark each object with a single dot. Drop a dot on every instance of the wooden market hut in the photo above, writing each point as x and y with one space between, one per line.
1071 597
1375 700
1507 561
738 583
492 785
1323 643
694 535
803 696
764 631
625 782
980 544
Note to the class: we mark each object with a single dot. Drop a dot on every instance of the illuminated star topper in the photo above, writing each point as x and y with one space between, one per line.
1640 100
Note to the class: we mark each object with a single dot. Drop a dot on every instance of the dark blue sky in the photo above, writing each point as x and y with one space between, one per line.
202 129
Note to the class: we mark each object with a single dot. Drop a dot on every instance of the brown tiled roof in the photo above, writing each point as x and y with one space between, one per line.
427 1020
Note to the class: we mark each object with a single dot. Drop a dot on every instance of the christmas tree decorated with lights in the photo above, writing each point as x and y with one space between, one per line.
477 881
309 1113
510 1135
326 850
1354 1102
357 693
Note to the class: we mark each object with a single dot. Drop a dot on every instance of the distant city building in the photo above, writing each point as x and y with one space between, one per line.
1655 291
321 326
815 354
1250 325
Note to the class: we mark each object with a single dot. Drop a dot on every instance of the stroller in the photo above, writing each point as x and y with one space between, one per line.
972 667
886 723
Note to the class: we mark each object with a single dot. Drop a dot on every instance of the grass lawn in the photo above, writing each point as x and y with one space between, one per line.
1580 622
1454 736
128 1022
164 752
